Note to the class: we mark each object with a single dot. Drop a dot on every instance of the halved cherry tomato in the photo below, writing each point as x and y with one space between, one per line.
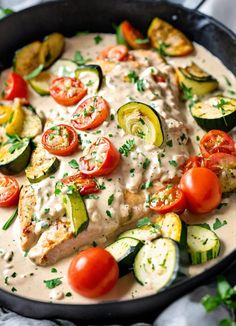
168 199
84 184
67 91
93 272
101 158
133 36
16 86
216 141
60 140
9 191
202 190
159 79
192 162
114 53
221 161
91 113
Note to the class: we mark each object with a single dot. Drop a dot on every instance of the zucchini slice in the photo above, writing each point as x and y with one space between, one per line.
42 164
76 211
32 125
16 121
171 226
167 39
41 83
52 47
91 76
141 120
63 68
156 264
27 58
124 251
14 155
203 244
5 113
197 79
144 233
215 113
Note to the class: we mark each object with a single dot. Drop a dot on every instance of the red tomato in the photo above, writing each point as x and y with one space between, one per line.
216 141
93 272
9 191
16 86
202 190
60 140
91 113
67 91
159 79
114 53
83 183
221 161
168 199
192 162
132 36
101 158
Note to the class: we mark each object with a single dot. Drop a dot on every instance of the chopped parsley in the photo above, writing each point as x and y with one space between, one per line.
79 59
143 222
131 171
146 163
142 40
102 185
94 244
108 213
222 205
112 117
188 95
173 163
73 164
51 284
126 148
147 185
228 82
68 294
140 85
10 220
13 289
162 49
53 270
90 83
98 39
218 224
16 143
133 77
231 92
197 138
220 105
110 200
46 210
169 143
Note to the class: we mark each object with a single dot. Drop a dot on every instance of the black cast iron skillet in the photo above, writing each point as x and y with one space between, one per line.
68 17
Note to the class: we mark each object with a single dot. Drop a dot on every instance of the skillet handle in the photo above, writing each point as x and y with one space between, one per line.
190 4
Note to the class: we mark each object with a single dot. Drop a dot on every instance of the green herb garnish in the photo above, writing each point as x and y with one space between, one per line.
110 200
218 224
73 164
126 148
98 39
10 220
51 284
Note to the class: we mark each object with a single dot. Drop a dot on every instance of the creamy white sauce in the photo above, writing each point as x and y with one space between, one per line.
19 274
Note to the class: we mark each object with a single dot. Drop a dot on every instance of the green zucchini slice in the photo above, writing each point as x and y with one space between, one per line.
27 58
42 165
144 233
14 155
51 49
76 211
157 263
32 125
91 76
215 113
141 120
124 251
197 79
41 83
63 68
203 244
